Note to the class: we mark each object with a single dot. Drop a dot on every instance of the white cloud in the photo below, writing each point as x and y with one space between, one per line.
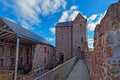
69 15
94 19
64 16
50 39
28 11
90 43
73 7
52 30
73 15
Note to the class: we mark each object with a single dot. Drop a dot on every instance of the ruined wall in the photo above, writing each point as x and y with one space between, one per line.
43 56
7 55
63 42
104 62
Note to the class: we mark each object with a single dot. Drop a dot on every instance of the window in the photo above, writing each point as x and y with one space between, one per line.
79 49
45 50
20 51
1 48
27 61
1 62
82 39
12 60
48 52
45 60
27 51
11 51
21 60
80 24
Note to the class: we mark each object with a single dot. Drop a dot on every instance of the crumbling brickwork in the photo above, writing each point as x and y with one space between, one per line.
43 56
104 61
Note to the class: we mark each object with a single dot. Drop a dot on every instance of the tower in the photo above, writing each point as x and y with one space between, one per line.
71 37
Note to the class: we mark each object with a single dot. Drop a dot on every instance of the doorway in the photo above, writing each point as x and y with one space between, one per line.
61 58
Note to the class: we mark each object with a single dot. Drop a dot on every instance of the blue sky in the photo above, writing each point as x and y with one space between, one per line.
41 16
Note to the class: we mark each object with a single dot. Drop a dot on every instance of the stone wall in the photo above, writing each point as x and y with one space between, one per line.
43 56
7 55
71 38
61 72
63 43
104 61
79 34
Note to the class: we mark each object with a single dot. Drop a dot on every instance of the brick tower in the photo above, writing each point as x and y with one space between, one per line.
71 37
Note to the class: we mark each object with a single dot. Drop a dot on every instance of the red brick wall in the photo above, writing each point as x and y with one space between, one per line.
26 56
63 42
9 51
68 38
43 56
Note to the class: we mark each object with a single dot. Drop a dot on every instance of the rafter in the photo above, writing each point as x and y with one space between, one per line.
3 34
6 31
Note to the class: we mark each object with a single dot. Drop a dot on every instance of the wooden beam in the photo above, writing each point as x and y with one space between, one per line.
1 31
6 31
2 23
9 37
3 34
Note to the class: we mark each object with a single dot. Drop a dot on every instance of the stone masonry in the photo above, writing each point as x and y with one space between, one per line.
104 62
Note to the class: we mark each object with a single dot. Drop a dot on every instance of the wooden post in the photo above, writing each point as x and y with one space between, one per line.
16 60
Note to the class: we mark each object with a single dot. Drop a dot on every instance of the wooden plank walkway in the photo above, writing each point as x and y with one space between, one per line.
79 72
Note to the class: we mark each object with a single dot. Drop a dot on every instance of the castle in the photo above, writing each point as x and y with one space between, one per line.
35 53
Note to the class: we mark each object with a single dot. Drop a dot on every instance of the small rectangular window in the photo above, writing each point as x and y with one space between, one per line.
48 52
27 61
1 48
45 60
21 60
1 62
27 51
12 60
12 51
81 39
45 50
20 51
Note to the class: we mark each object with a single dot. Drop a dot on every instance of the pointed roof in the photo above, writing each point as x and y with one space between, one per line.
18 30
79 16
69 23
